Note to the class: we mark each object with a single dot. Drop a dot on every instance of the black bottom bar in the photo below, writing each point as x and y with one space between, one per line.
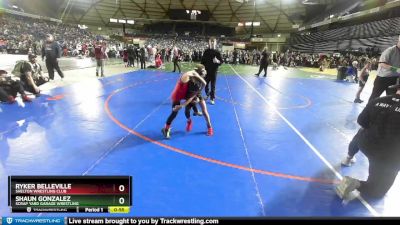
219 221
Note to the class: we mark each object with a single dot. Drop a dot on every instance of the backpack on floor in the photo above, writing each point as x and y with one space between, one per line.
18 67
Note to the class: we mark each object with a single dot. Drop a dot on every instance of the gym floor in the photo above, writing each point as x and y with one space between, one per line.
276 151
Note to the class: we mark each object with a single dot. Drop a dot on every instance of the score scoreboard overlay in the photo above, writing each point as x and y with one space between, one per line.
86 194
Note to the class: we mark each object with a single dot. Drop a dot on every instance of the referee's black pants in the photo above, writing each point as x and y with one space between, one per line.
211 79
176 64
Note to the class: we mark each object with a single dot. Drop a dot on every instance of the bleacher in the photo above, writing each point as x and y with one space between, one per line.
342 8
380 34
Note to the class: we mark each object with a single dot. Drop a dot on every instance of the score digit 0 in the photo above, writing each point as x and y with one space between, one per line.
121 188
121 200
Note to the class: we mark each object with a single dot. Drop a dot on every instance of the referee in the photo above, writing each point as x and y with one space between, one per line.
387 74
211 60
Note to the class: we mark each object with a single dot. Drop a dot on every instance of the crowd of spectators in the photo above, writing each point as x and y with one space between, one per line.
26 34
324 61
191 48
23 35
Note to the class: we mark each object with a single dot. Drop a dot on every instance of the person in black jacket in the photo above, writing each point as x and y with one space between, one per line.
9 88
379 140
211 60
263 63
235 57
176 58
131 56
137 54
52 51
142 56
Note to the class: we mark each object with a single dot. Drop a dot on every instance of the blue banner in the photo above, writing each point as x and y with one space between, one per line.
32 220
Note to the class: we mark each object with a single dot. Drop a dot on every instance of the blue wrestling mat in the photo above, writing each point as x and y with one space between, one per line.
276 151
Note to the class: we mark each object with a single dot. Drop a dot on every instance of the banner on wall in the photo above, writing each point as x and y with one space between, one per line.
227 48
239 45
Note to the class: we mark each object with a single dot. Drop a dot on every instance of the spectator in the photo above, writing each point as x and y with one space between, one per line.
263 63
363 77
352 73
131 56
125 57
176 58
142 53
31 75
158 61
9 88
100 55
52 51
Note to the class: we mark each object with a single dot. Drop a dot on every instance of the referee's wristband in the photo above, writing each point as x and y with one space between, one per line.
395 69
